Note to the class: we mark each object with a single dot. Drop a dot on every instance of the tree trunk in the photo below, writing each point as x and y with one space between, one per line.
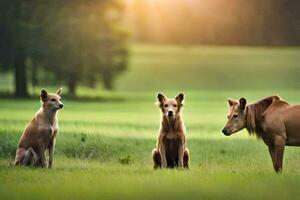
34 75
18 58
72 84
108 80
20 77
91 81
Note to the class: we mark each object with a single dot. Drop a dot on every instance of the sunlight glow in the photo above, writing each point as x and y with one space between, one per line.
160 19
197 21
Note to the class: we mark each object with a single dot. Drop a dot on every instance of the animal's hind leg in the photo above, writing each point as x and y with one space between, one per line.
272 153
30 157
186 158
20 154
156 159
279 150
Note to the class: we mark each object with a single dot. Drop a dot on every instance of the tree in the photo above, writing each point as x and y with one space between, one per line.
11 44
19 39
79 41
85 43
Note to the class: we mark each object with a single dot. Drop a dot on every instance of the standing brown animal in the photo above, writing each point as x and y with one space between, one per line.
271 119
171 148
39 135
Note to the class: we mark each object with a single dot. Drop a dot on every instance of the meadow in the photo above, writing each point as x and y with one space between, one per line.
103 150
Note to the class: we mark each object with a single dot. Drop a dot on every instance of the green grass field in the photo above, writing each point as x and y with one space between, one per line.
103 150
155 67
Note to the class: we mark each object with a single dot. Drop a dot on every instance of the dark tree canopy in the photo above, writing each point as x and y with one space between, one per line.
77 41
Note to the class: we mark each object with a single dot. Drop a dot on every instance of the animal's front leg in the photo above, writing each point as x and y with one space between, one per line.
180 155
50 151
163 156
41 154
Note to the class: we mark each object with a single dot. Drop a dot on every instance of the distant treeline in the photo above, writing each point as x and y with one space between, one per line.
71 42
228 22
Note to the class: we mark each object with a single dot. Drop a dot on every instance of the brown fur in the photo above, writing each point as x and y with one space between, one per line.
271 119
39 135
254 115
171 148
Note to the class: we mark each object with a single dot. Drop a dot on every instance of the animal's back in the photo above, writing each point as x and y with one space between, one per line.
272 121
29 136
274 113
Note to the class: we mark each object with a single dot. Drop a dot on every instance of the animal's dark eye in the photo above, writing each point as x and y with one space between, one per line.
166 105
175 105
52 100
235 116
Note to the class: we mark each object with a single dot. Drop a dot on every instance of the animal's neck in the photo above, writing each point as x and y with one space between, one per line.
173 125
49 115
250 119
253 116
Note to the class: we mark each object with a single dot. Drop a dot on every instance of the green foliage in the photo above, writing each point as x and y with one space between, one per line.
19 39
85 43
78 42
154 67
126 160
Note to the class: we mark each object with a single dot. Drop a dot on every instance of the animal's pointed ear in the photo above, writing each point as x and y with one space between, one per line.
59 91
44 94
232 102
179 97
160 97
243 103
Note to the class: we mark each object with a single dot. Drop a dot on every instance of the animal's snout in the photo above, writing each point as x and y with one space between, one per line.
225 132
61 105
170 113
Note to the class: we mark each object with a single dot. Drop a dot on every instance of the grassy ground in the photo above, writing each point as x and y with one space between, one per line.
155 67
104 148
103 151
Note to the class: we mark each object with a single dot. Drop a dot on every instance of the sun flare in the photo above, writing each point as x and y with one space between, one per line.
161 19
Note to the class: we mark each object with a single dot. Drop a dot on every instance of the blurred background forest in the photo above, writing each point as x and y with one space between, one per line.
225 22
80 43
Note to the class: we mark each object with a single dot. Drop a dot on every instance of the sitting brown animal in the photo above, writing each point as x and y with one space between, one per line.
39 135
171 148
271 119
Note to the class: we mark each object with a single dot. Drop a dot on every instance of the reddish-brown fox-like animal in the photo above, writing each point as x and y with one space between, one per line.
271 119
39 135
171 148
